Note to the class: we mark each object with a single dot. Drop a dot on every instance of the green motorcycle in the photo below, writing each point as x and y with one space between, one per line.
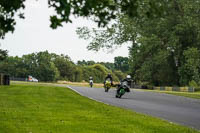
121 89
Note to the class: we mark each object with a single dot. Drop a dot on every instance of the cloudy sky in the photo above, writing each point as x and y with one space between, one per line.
33 34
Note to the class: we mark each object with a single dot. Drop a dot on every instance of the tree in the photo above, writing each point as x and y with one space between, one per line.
101 11
65 66
120 75
78 74
121 63
108 65
189 71
3 54
41 66
8 10
47 66
87 63
111 37
98 72
158 44
13 66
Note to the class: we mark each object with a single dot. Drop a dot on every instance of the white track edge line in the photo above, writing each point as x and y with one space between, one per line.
87 96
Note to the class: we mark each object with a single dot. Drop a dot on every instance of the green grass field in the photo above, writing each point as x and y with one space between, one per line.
195 95
33 108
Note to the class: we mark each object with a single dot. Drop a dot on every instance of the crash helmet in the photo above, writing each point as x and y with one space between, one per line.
128 76
109 74
91 77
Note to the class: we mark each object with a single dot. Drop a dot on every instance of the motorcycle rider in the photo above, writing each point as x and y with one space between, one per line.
91 78
108 77
91 81
128 81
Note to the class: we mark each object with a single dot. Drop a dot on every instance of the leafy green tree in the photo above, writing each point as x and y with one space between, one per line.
98 72
158 44
46 69
41 66
120 75
87 63
3 54
65 66
101 11
190 70
102 71
82 63
111 37
8 11
78 74
90 62
31 63
108 65
121 63
13 66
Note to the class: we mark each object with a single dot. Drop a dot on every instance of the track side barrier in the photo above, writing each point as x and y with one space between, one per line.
181 89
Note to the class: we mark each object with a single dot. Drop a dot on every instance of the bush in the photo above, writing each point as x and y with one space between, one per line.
120 75
193 84
197 89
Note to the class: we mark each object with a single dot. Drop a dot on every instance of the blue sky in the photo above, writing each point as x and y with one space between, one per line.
33 34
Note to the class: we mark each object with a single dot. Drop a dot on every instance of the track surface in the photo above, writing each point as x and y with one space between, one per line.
177 109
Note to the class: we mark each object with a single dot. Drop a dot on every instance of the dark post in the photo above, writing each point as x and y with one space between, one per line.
6 80
1 79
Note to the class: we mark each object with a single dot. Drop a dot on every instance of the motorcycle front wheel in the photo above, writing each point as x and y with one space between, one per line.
106 89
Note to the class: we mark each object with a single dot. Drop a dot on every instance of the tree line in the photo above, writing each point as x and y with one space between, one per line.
165 35
47 66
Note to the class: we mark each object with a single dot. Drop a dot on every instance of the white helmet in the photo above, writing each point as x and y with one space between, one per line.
128 76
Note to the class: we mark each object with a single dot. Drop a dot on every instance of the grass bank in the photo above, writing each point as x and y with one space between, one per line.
34 108
85 84
195 95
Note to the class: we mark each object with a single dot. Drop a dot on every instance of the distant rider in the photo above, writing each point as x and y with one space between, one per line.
91 78
91 81
108 77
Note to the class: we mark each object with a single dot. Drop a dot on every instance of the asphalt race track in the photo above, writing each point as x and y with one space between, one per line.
176 109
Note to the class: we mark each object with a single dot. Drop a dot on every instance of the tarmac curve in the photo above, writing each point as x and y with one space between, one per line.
176 109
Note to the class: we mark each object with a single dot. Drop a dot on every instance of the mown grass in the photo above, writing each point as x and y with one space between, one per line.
34 108
84 84
195 95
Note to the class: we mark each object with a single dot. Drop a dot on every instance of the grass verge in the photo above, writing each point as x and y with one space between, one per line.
195 95
34 108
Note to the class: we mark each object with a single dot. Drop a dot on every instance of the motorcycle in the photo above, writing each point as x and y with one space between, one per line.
107 85
91 83
122 88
